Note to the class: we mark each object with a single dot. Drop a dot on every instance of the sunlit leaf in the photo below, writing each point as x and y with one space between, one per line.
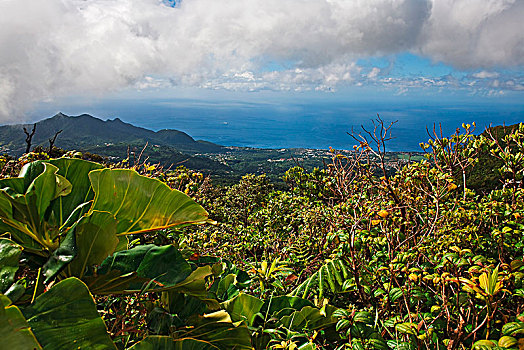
142 204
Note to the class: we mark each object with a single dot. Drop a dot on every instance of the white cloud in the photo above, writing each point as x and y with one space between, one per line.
56 48
373 73
485 74
475 34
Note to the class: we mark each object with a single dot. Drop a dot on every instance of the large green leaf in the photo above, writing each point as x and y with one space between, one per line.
182 306
155 343
88 242
76 171
47 191
95 237
283 305
45 187
218 331
210 331
29 198
310 318
231 279
243 307
65 317
131 270
195 285
15 331
61 257
9 258
168 343
18 231
141 204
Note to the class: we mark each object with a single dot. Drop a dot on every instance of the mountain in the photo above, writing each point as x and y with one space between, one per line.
112 138
86 130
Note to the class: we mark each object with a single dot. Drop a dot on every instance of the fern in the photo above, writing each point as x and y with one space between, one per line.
332 276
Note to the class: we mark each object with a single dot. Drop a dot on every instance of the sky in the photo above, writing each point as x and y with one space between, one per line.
58 53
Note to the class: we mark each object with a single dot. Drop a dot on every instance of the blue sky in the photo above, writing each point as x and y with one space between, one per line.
99 51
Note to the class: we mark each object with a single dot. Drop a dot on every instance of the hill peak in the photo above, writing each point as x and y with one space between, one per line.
59 115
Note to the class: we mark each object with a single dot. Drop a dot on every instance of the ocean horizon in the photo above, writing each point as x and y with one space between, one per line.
301 125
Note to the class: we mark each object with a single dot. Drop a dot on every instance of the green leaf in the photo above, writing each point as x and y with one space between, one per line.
220 334
364 317
310 318
211 331
513 328
377 343
16 333
9 258
62 256
357 344
159 321
141 204
44 196
361 331
46 187
76 171
516 265
400 345
168 343
243 307
66 317
95 237
283 305
395 294
484 344
226 285
30 197
16 291
184 306
407 328
128 271
194 289
195 285
157 343
507 342
342 324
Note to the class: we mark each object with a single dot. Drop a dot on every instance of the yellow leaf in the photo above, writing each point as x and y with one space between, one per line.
483 280
413 277
383 213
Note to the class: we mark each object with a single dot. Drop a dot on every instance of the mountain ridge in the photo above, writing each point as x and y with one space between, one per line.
113 138
86 130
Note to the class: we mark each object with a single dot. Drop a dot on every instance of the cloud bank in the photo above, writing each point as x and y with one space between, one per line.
61 47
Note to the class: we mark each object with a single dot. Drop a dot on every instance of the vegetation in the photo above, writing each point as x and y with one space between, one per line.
352 256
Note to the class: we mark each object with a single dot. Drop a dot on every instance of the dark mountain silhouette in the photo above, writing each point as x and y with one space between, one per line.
85 130
111 138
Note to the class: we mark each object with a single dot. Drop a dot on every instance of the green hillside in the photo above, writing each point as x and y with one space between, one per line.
85 130
115 139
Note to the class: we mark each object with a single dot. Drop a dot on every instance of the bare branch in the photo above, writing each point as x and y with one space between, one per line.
29 137
52 141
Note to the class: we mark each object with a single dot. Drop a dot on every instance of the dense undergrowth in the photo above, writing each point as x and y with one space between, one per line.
349 256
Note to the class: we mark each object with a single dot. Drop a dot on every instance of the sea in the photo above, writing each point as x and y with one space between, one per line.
307 124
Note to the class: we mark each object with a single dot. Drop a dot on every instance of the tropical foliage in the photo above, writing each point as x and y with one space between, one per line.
352 256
